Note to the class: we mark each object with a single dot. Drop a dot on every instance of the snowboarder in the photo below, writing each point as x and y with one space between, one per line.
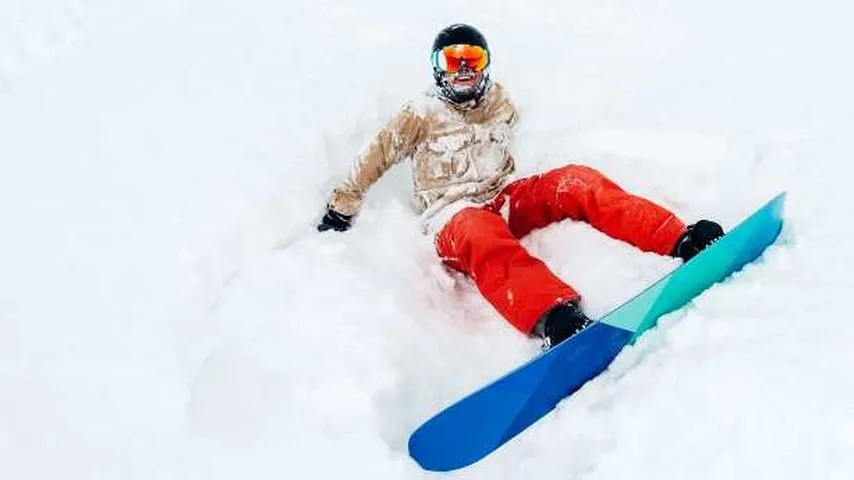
458 138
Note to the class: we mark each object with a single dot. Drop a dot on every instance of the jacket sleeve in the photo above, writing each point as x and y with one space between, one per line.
397 140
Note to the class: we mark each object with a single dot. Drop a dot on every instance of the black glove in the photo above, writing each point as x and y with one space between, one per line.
696 238
334 221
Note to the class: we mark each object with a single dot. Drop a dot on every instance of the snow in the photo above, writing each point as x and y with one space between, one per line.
166 310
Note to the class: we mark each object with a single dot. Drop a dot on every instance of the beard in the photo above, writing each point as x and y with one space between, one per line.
464 87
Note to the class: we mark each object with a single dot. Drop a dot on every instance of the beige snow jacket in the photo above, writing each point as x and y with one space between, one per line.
457 153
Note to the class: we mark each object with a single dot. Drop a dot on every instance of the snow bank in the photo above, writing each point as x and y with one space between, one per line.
166 310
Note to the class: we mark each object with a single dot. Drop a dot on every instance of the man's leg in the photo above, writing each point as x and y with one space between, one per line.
582 193
479 243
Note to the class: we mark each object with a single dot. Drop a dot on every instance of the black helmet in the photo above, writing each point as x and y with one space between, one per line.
457 34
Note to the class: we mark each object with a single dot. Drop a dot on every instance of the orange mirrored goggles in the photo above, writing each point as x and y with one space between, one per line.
451 58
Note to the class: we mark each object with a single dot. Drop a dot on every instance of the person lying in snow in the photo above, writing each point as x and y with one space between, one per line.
458 138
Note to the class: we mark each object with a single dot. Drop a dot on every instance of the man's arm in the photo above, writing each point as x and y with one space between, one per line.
395 141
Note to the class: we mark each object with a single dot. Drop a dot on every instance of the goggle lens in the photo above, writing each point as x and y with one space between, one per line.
451 58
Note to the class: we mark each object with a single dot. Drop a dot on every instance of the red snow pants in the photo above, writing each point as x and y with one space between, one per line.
479 242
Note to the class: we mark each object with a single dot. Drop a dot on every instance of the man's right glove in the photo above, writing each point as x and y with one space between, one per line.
696 238
334 221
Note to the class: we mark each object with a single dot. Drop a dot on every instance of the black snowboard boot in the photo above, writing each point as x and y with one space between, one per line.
561 322
696 238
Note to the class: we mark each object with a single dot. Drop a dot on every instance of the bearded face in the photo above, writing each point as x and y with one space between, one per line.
461 71
465 81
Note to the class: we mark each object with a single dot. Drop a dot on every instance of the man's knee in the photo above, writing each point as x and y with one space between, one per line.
467 231
470 220
582 177
461 226
581 172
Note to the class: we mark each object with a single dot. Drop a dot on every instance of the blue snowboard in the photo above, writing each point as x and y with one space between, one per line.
478 424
